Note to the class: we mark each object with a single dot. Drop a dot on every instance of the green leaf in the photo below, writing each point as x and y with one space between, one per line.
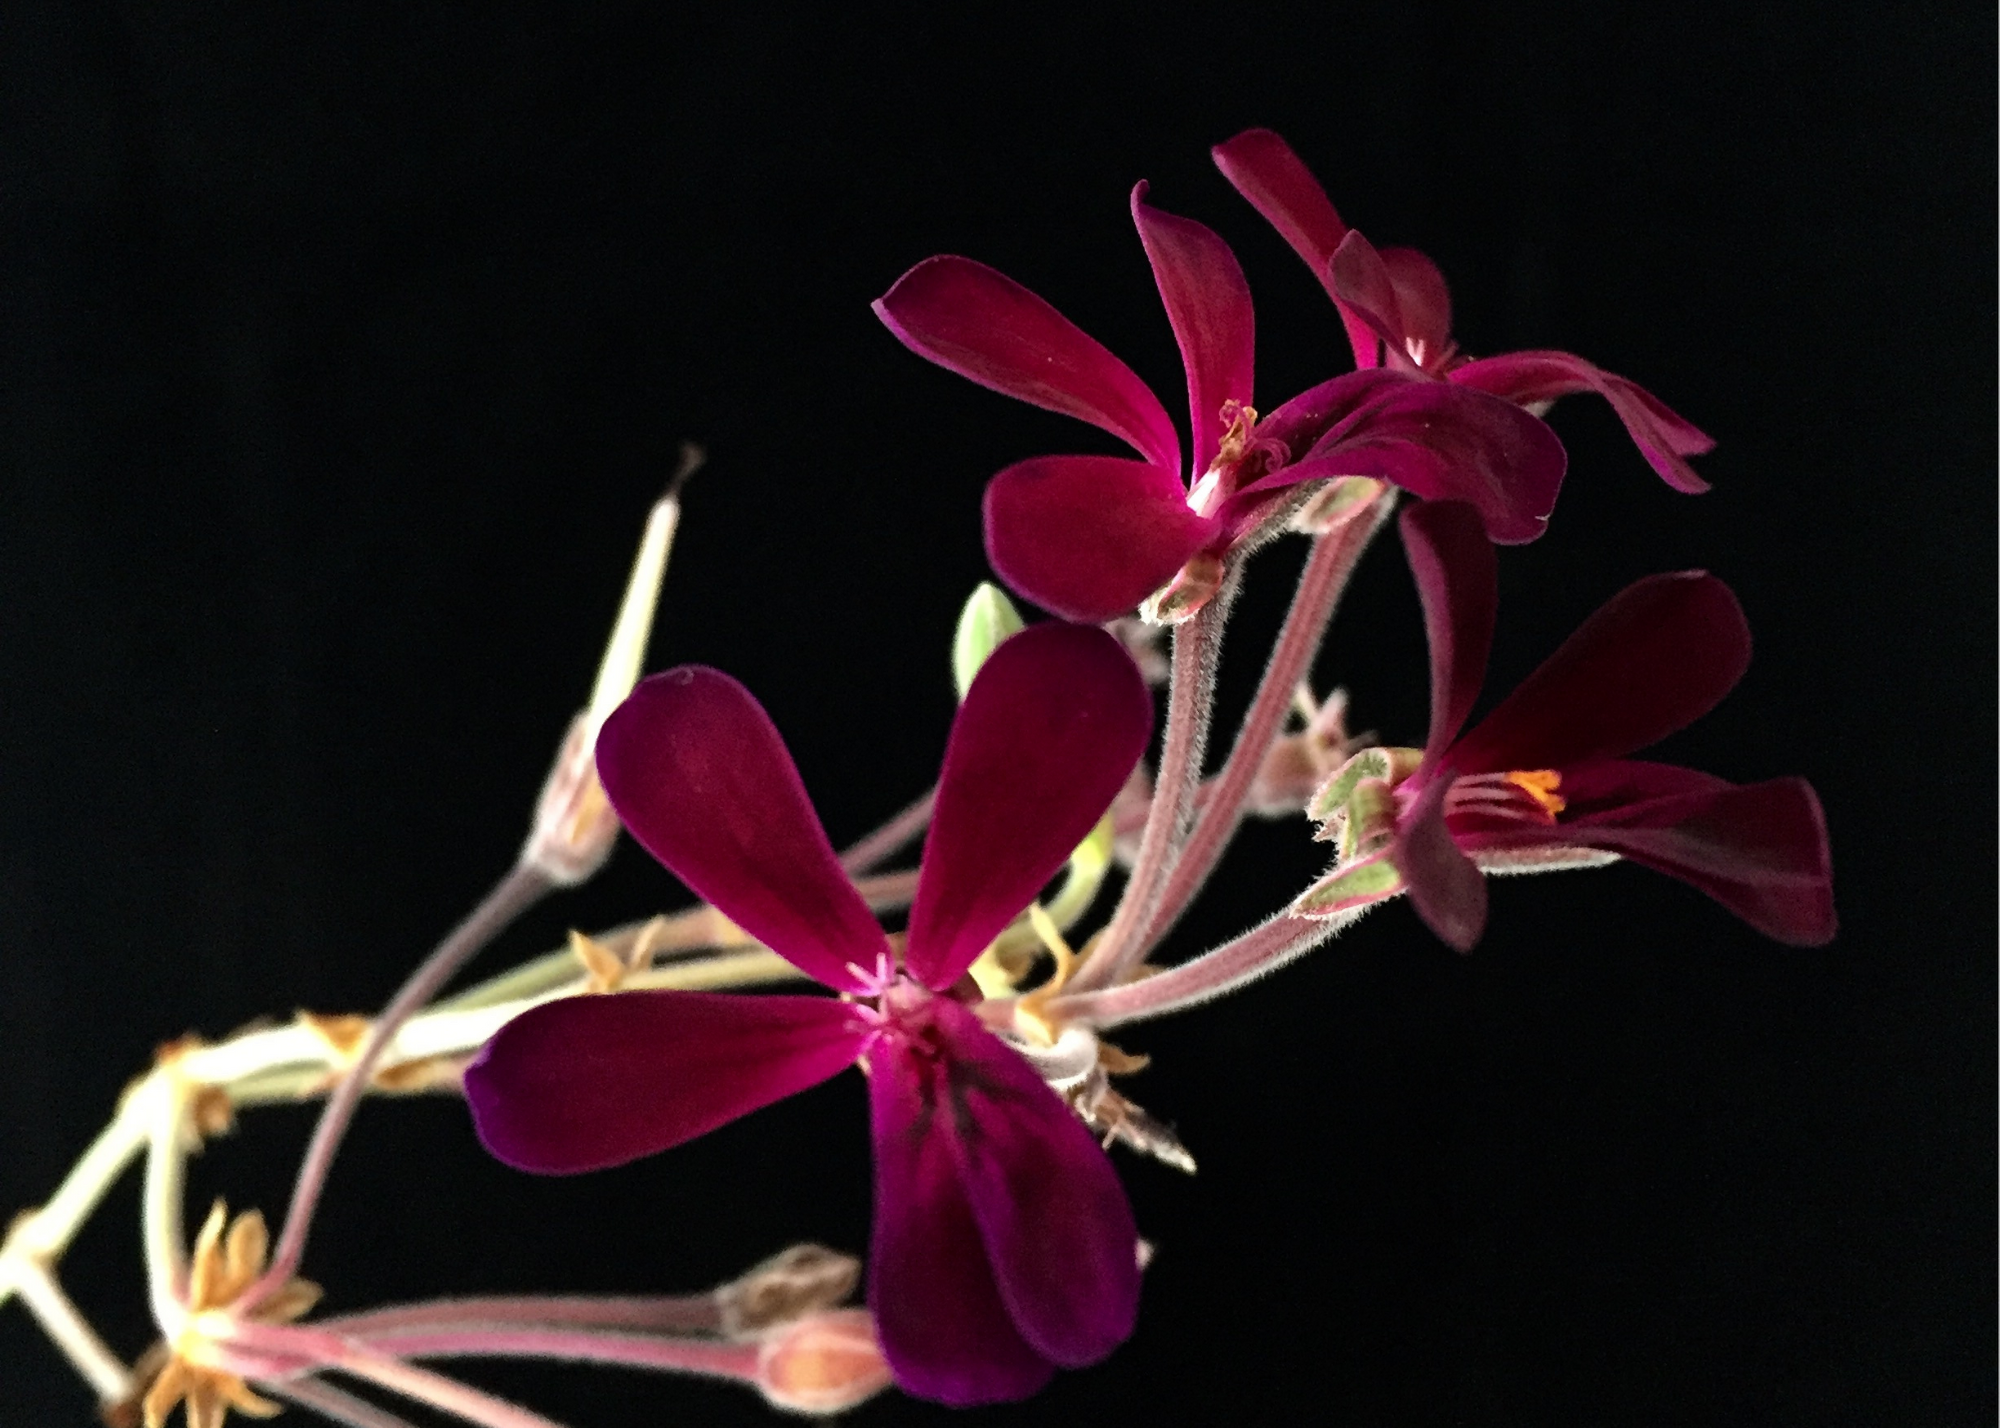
988 618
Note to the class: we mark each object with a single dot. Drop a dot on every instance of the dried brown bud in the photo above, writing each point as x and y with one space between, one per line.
800 1281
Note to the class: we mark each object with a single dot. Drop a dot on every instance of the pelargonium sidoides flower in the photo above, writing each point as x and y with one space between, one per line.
1543 781
1397 311
1090 537
1004 1246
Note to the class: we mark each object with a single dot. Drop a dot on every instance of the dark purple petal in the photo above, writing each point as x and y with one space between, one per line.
1089 537
1423 299
937 1310
1361 280
1662 435
1449 443
697 771
983 325
1208 303
587 1082
1264 170
1657 656
1590 793
1447 890
1057 1226
1050 729
1760 850
1458 580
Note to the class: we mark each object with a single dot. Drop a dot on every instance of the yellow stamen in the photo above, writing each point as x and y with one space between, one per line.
1541 785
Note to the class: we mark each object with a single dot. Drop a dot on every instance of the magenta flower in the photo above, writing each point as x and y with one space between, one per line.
1397 311
1543 779
1003 1244
1089 537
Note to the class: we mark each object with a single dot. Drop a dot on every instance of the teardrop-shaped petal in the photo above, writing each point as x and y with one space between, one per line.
1263 168
1424 301
1448 443
1057 1226
1089 537
1760 850
1458 581
981 324
1663 436
697 772
1446 888
1361 280
1208 302
937 1310
1054 723
588 1082
1656 657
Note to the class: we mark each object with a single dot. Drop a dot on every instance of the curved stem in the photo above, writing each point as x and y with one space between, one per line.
1256 953
514 894
1190 705
1321 584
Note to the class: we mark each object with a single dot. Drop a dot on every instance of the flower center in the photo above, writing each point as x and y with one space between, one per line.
1241 458
1524 795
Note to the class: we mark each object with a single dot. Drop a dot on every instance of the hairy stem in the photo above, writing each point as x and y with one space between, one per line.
1190 705
1321 583
1256 953
674 1314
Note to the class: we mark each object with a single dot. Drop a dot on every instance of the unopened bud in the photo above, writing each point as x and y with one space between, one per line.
1335 503
1349 888
988 618
1177 601
802 1280
826 1364
574 826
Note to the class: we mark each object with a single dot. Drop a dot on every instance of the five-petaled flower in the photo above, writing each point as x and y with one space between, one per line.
1004 1246
1543 781
1397 311
1090 537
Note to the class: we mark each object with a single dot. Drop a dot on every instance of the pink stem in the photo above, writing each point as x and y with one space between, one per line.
337 1404
1321 583
710 1358
884 892
1190 704
686 1314
877 846
1257 952
513 895
447 1394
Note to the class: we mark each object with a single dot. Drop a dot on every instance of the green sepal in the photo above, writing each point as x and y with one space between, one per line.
1331 800
1345 889
988 618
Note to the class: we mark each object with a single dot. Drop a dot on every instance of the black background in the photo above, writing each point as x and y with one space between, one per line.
345 347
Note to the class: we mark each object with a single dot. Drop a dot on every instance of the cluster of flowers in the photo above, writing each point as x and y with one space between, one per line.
1003 1245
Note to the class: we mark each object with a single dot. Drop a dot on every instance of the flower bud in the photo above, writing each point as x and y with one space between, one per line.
1335 504
825 1364
1179 599
988 618
793 1284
